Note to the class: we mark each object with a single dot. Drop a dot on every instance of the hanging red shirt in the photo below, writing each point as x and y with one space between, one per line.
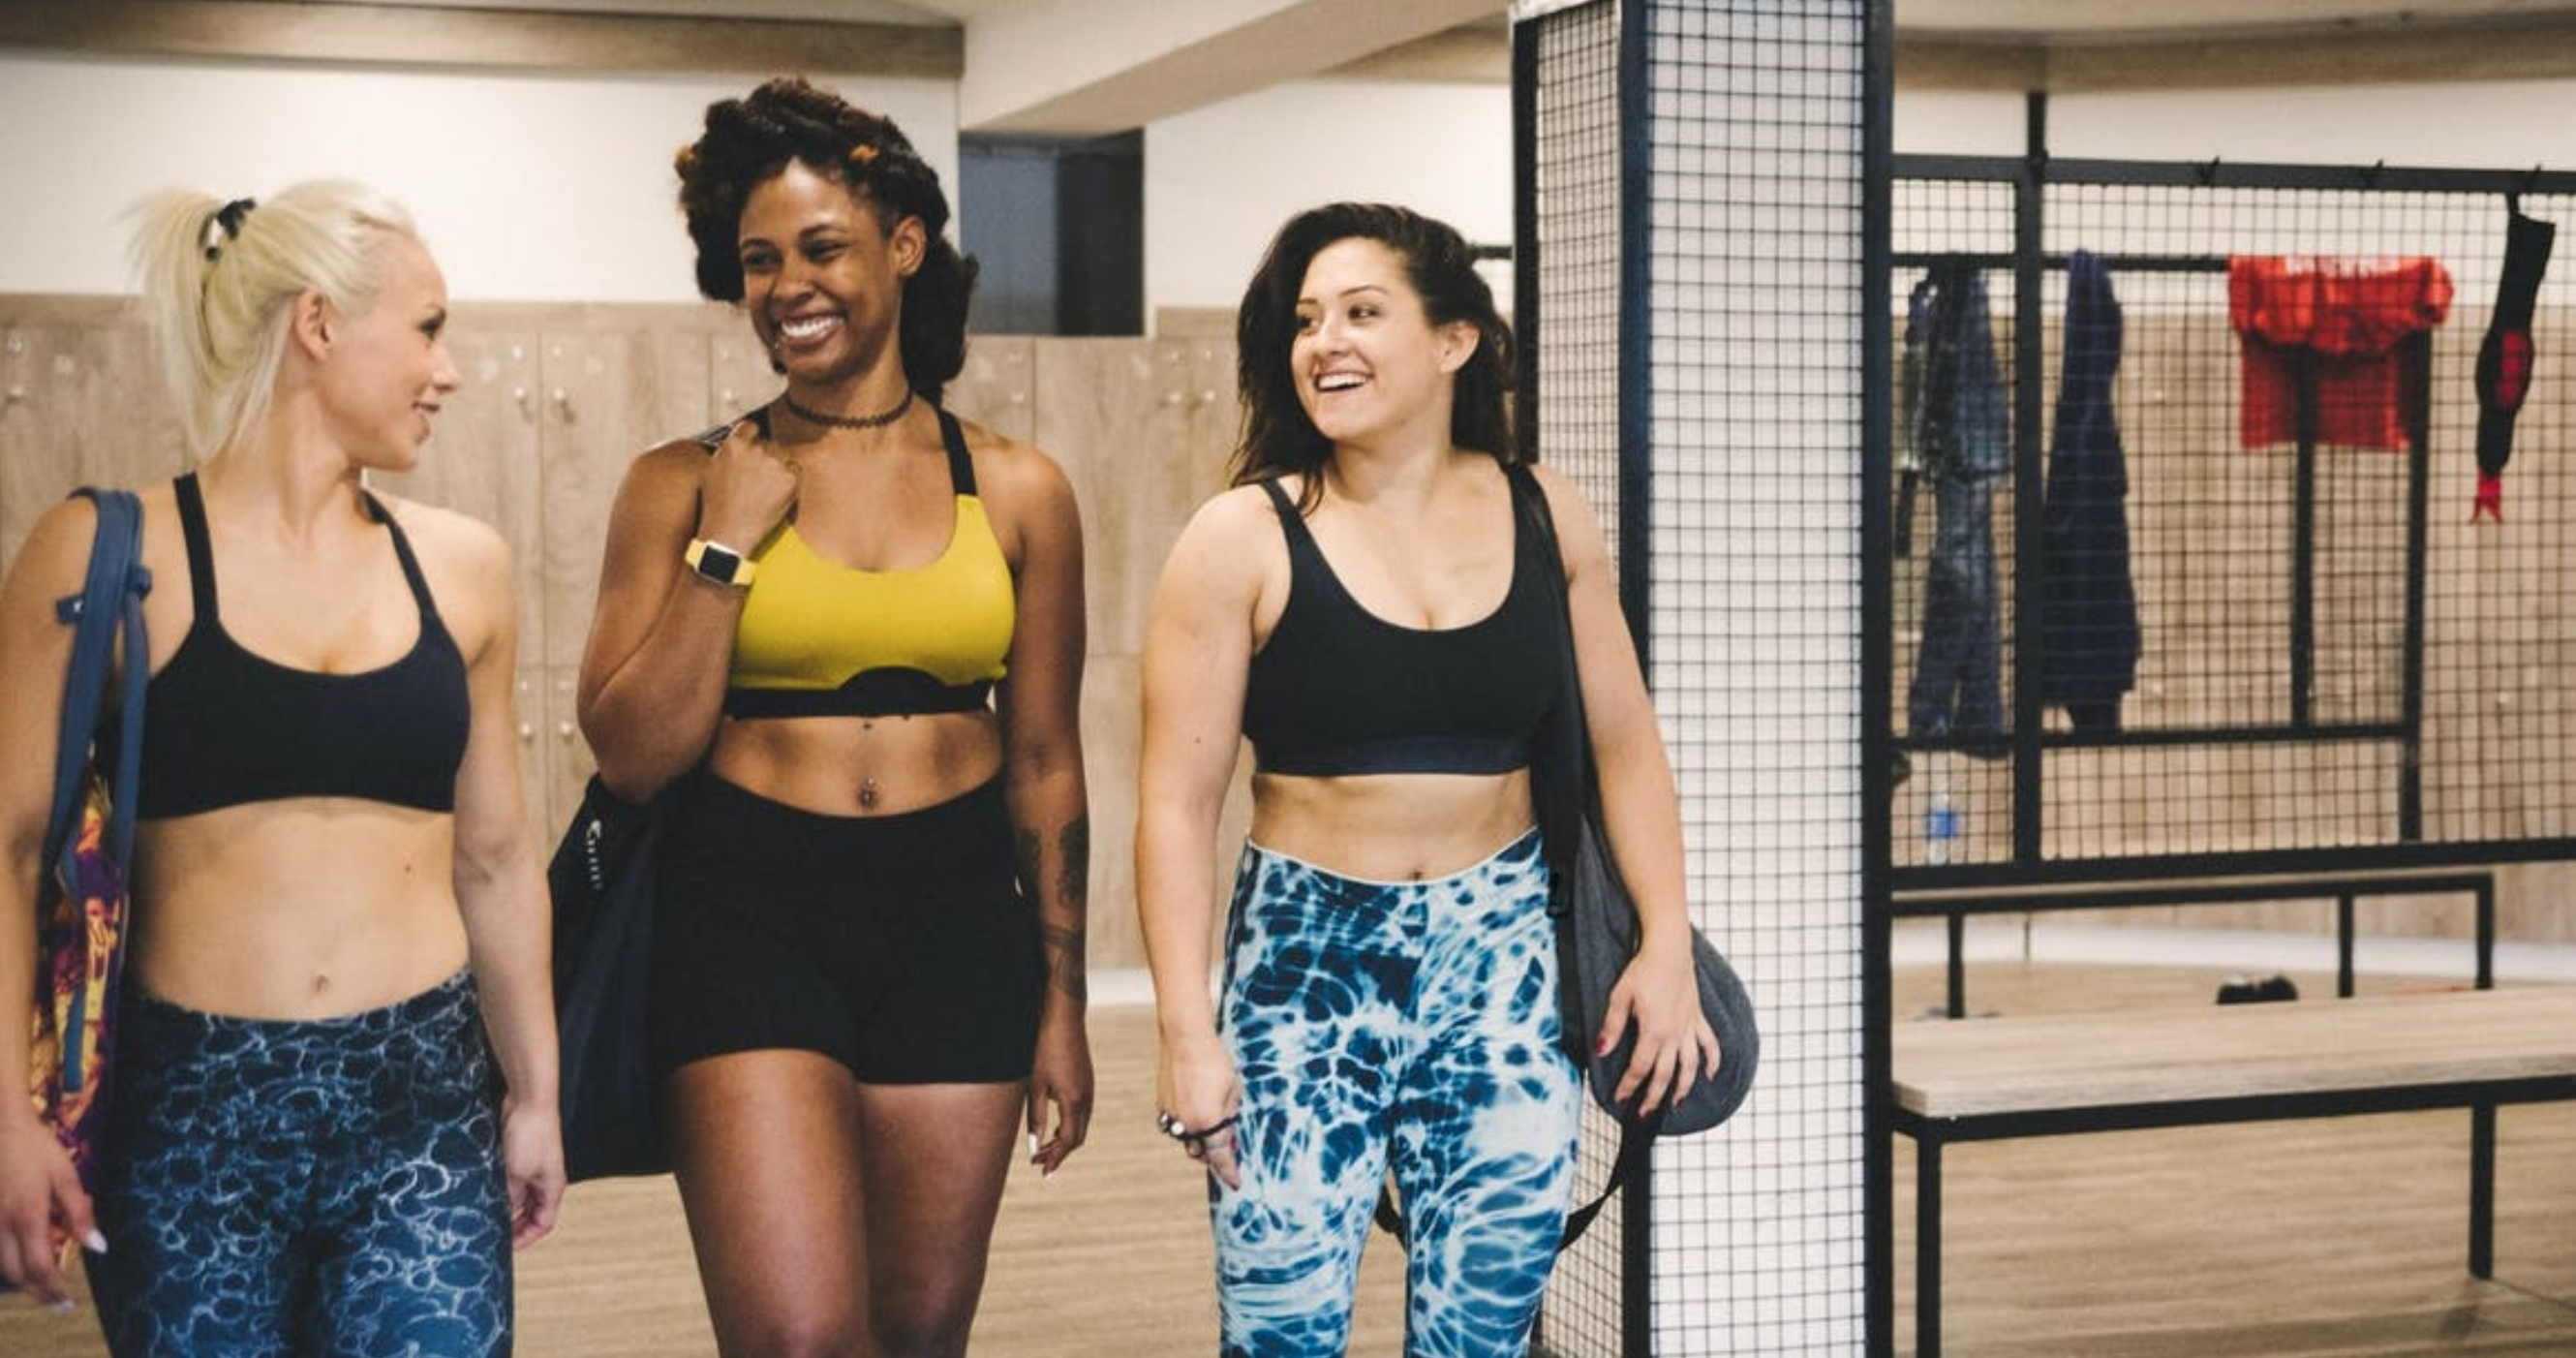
2352 315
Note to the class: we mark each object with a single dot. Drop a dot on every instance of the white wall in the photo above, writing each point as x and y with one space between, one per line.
1221 180
529 188
2503 125
546 188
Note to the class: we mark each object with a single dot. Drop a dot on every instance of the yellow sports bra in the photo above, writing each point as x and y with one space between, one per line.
819 639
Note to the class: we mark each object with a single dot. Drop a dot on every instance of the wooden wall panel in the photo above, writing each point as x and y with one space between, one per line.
80 404
562 755
485 461
607 397
998 388
1115 413
1216 415
739 377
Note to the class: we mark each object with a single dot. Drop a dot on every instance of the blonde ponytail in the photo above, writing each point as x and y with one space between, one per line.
220 281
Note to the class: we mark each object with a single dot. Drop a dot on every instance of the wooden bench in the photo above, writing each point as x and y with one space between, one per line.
2048 1075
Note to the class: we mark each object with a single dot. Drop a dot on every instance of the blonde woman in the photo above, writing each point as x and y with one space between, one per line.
334 1108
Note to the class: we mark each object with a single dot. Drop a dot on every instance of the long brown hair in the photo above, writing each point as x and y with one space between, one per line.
1278 437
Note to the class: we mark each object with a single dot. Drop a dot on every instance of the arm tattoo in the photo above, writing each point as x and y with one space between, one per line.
1064 960
1073 863
1064 943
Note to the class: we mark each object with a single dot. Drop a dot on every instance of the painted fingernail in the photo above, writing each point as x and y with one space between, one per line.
96 1242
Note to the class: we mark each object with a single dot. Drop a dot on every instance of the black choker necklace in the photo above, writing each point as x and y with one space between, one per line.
848 421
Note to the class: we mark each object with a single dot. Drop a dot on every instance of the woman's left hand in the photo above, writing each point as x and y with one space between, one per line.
1061 1077
532 1157
1676 1048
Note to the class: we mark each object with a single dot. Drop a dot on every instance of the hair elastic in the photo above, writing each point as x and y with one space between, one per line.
225 225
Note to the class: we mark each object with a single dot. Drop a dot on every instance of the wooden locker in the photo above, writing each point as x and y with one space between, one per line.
1115 413
483 461
997 387
605 397
80 404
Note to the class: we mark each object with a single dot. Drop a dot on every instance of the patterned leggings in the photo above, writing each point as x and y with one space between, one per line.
1416 1021
305 1188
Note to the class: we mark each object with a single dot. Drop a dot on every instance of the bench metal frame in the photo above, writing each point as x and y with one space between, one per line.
1932 1134
2345 887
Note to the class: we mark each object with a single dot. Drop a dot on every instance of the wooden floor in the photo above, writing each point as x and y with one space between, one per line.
2335 1237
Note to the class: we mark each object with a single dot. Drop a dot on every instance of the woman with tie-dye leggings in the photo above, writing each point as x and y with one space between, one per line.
1367 605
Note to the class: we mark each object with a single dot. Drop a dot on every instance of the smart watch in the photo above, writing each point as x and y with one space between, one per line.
719 563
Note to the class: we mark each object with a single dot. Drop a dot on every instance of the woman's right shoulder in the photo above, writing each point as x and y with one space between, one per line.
53 561
1231 546
1228 515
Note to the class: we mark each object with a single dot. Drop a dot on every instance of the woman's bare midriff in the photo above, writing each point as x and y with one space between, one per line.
1398 827
310 908
860 766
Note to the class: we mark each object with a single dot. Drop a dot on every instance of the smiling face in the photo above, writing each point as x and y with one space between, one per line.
1367 362
386 372
823 277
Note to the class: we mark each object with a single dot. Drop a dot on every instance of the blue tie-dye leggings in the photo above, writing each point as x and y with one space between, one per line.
292 1188
1416 1020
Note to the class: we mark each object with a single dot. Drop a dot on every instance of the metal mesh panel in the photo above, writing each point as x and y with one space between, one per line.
1574 173
2331 657
1755 354
1728 249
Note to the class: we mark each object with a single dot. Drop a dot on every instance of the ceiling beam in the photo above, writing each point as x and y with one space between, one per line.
416 35
2534 47
1087 67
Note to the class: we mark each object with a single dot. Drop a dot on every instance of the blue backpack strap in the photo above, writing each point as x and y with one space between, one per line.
110 602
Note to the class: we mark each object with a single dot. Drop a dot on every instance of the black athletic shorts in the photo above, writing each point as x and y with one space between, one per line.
899 945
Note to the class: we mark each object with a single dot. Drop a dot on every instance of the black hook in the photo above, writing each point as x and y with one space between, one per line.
2206 174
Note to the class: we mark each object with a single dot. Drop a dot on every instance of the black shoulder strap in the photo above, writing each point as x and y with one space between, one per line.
713 439
961 464
201 547
1292 523
402 552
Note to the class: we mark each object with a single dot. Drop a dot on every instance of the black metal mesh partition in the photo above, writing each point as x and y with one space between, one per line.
2260 617
1695 293
1570 154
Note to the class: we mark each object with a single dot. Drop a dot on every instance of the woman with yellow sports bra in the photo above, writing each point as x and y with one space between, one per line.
846 635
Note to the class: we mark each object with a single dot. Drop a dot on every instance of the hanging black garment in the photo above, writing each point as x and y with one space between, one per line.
2088 608
1957 425
2505 356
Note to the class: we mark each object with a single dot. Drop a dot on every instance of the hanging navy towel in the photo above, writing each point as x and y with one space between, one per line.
2088 657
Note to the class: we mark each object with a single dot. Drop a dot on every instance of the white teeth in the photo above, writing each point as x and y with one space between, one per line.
805 328
1336 382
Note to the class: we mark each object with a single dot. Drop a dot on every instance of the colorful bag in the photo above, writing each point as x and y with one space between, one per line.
81 917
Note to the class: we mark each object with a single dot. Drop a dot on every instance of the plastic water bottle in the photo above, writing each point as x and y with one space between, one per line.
1940 829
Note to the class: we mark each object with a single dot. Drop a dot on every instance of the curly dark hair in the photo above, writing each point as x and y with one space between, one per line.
1278 437
749 141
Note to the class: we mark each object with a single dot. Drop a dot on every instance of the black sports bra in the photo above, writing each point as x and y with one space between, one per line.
224 727
1338 690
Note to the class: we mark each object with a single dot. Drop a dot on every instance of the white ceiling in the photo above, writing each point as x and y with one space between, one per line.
1077 67
2034 19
